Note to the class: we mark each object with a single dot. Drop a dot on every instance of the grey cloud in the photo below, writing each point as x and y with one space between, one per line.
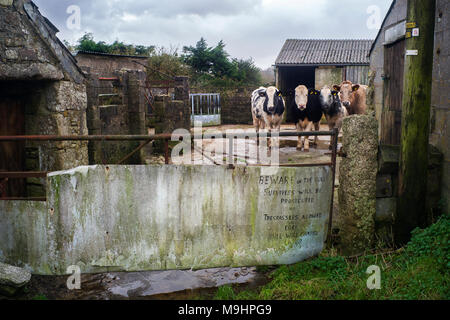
247 27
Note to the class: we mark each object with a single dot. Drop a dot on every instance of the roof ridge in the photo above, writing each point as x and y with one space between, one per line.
109 54
325 51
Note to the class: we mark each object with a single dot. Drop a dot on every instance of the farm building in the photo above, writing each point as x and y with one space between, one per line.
387 57
42 92
316 63
106 64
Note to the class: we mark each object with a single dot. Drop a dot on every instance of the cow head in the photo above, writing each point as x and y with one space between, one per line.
301 97
346 91
326 99
258 106
274 101
329 99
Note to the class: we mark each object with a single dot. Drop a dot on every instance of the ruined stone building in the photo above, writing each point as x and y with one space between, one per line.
107 64
42 92
45 90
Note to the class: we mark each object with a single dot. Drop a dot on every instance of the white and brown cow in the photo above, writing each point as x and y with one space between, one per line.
353 97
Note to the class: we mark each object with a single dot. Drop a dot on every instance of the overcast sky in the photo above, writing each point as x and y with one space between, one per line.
249 28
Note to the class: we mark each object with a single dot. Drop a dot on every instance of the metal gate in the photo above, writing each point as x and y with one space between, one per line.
206 108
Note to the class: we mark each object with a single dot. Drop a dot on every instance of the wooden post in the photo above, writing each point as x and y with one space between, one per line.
415 120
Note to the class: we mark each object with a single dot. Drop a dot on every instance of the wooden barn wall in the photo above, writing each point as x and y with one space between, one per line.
357 74
440 99
397 14
440 104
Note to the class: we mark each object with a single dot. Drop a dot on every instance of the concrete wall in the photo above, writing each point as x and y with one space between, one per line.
440 104
130 218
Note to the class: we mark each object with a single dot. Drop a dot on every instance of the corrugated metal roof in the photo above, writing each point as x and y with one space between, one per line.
319 52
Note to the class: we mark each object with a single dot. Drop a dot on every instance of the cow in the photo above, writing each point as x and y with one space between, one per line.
353 97
306 111
258 109
271 102
332 107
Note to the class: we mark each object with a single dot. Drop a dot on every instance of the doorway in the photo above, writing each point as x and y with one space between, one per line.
12 154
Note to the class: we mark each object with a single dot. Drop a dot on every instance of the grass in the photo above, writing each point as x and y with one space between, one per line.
420 271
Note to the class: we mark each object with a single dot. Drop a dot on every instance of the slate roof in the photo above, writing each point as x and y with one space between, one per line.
109 54
324 52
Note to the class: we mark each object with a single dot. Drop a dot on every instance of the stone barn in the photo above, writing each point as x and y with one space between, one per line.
42 92
387 66
316 63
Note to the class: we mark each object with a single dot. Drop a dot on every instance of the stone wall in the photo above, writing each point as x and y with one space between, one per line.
172 112
357 184
137 218
39 73
116 108
170 115
107 65
59 109
236 109
29 47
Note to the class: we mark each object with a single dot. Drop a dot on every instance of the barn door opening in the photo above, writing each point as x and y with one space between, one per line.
291 77
12 154
394 64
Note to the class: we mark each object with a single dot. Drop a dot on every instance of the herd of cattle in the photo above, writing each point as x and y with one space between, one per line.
308 107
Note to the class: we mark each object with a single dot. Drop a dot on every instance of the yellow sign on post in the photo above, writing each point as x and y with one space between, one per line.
410 25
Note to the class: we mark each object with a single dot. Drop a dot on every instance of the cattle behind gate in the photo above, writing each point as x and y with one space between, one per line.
306 111
332 107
